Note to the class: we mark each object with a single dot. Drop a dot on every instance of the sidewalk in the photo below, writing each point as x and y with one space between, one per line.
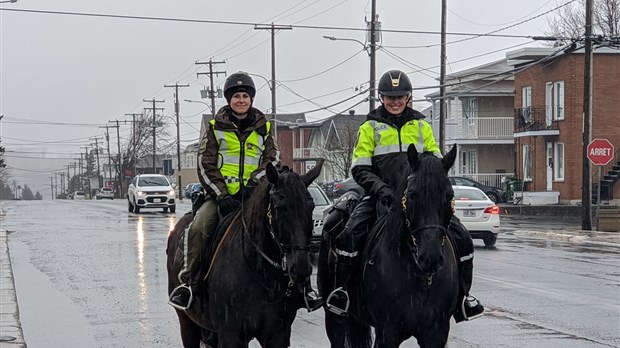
11 335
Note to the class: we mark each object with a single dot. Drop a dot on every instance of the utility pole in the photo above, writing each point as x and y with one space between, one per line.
107 139
86 172
176 112
133 142
81 172
273 29
442 79
586 186
51 187
154 109
373 49
212 90
119 165
98 168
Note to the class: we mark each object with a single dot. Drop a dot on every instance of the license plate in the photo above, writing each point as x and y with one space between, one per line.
157 200
469 212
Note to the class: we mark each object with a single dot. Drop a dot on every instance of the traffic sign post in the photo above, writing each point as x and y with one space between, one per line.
600 152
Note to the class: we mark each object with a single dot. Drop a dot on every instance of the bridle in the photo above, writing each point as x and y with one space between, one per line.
282 247
412 233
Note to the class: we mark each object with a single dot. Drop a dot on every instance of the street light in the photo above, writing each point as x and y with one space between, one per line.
370 48
198 101
11 1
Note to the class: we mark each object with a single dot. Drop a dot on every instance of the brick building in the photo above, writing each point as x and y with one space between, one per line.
549 121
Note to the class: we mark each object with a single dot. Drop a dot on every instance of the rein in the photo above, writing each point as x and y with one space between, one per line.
282 266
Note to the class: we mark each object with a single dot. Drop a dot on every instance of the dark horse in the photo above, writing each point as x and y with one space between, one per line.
249 291
406 281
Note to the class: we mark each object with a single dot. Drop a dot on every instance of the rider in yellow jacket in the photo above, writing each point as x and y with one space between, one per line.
233 153
379 154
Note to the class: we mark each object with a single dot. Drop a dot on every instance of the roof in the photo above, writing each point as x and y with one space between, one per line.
490 79
285 120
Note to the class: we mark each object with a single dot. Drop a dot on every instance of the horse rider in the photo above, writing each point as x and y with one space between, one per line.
393 125
233 154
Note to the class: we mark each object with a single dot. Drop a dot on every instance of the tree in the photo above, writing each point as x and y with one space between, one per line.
38 196
5 191
140 145
27 193
338 147
570 19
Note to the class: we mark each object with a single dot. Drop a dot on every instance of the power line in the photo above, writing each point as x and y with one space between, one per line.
294 26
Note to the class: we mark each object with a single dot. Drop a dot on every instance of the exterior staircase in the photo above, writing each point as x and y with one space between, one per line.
610 176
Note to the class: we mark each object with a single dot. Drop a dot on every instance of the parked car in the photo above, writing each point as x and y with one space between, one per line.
70 195
105 193
478 213
494 193
79 195
346 185
191 188
148 191
321 203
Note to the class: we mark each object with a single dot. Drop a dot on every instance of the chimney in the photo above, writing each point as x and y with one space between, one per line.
352 112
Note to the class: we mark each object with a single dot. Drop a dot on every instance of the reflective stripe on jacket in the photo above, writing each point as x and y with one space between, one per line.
238 159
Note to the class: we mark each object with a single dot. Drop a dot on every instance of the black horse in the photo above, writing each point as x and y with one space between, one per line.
250 290
406 281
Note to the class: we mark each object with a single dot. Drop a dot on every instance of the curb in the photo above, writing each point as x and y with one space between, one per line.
11 335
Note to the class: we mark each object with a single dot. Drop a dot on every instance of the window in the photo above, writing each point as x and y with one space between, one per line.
554 98
526 103
469 162
527 163
470 110
558 158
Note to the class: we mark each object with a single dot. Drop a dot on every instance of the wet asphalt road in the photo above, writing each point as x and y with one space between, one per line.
89 274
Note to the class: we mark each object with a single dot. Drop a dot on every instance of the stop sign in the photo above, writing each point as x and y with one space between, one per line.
600 152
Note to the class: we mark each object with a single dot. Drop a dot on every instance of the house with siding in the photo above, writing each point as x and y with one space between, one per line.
548 122
479 120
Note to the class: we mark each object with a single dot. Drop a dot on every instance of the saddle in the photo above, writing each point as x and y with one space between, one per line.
211 246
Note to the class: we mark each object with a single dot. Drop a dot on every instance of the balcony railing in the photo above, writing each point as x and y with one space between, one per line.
530 119
490 128
492 179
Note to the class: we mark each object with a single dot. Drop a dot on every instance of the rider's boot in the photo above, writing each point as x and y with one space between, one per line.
468 307
338 300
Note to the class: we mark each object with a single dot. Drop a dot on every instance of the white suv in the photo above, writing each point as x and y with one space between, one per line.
151 191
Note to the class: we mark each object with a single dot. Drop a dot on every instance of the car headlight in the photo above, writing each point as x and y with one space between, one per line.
171 193
141 193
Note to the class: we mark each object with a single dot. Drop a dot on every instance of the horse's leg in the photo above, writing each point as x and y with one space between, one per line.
281 339
435 336
387 337
190 331
232 339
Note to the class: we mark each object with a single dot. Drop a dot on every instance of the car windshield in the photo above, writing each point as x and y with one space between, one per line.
106 189
317 197
153 181
472 195
79 193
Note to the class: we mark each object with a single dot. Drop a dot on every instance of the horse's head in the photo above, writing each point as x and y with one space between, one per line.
426 203
290 217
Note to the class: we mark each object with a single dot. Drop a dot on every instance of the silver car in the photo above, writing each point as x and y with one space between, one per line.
148 191
321 203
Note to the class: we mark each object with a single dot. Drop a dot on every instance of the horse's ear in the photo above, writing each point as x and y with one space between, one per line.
449 158
413 157
272 174
309 177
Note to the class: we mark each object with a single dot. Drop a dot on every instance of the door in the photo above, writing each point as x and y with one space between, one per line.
549 166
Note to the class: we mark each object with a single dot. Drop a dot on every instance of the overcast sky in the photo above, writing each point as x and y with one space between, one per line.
63 76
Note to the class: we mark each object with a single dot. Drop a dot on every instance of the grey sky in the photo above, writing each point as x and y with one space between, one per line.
64 76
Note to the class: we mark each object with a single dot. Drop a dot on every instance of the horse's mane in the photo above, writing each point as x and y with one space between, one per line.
255 209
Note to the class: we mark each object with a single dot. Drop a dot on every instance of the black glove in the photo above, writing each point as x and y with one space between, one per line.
385 196
384 200
198 198
227 204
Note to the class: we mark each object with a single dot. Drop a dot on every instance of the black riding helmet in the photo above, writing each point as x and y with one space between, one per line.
239 82
394 83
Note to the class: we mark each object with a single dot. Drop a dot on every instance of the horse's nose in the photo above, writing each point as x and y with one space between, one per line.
300 268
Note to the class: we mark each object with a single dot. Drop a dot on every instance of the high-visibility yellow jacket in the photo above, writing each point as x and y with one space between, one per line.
380 154
228 158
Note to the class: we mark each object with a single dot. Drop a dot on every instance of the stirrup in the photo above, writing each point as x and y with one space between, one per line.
174 292
319 301
335 309
471 300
